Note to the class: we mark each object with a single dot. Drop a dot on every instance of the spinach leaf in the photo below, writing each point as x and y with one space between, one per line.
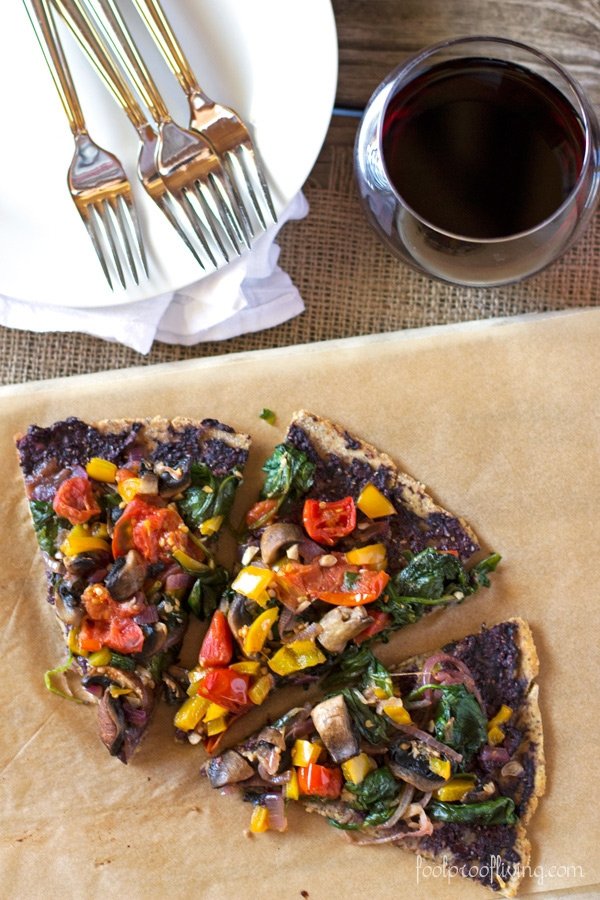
207 495
499 811
207 591
369 724
288 472
359 667
46 525
431 578
374 795
460 722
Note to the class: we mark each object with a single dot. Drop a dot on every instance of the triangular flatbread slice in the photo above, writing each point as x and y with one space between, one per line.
341 548
442 756
125 512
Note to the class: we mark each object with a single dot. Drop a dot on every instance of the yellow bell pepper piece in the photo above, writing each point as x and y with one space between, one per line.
190 713
495 735
291 790
79 540
213 712
211 526
258 632
252 581
101 470
260 690
195 675
305 752
247 667
216 726
116 691
259 821
296 656
371 555
100 657
455 789
129 488
73 643
501 717
373 503
99 530
394 709
441 767
357 768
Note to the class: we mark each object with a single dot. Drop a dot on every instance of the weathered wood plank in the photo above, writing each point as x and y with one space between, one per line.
376 35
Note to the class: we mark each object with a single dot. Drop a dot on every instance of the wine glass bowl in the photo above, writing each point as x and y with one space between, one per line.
477 161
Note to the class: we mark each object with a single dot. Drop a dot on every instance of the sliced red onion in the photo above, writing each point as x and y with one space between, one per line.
78 472
307 634
135 715
96 689
309 550
276 808
405 798
147 616
177 581
283 778
287 620
174 569
492 757
426 738
461 675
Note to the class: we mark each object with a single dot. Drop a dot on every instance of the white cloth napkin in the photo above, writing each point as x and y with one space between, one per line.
250 294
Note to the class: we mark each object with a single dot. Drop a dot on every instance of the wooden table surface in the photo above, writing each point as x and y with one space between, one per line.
349 282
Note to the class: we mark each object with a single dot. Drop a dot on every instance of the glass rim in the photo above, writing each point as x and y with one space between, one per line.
585 111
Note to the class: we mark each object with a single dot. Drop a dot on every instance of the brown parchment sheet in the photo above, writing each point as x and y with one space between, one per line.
501 420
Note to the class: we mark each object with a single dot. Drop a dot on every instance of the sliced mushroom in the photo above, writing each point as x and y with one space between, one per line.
409 760
332 720
68 608
238 616
340 625
148 484
276 538
172 481
84 563
111 722
126 576
127 680
229 768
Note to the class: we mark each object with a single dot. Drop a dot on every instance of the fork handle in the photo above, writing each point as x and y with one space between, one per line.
43 24
89 38
123 45
157 23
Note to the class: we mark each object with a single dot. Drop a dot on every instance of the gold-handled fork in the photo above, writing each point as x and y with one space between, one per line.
96 179
84 30
187 161
219 124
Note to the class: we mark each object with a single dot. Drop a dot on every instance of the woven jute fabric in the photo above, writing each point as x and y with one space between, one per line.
351 285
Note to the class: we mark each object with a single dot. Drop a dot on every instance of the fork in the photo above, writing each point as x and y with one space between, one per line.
190 168
221 125
85 32
97 181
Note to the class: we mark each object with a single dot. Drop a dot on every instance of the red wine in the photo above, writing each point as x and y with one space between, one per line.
482 148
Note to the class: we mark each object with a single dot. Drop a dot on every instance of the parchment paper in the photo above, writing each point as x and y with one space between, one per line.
501 420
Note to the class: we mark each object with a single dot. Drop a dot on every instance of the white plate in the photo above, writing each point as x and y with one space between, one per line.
274 62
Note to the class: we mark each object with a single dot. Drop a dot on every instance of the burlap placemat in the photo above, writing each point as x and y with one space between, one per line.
350 283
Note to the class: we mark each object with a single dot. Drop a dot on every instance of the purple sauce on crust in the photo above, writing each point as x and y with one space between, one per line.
481 850
335 479
71 442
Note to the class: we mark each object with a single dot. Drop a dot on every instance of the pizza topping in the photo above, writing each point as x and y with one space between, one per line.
74 500
334 726
340 625
126 575
217 646
228 768
373 503
276 539
328 522
319 781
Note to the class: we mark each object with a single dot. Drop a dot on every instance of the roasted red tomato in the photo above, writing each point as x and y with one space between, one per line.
341 584
157 535
226 687
320 781
120 634
328 522
380 622
217 646
135 511
75 501
261 513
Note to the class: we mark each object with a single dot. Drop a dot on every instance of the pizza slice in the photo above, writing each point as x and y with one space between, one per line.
342 548
125 513
442 756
